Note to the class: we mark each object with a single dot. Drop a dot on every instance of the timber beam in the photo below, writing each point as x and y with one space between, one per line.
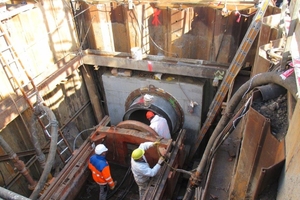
156 64
212 3
16 105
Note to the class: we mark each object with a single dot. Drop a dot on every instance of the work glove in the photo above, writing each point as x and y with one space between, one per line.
113 187
161 160
156 143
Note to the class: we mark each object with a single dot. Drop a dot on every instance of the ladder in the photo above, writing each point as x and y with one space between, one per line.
23 85
231 73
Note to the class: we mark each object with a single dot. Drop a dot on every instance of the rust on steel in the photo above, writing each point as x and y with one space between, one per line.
260 150
163 185
120 142
136 125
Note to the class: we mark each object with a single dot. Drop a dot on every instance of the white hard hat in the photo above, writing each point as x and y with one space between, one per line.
100 148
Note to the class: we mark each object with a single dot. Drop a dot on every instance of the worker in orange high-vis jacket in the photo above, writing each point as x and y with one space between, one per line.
101 171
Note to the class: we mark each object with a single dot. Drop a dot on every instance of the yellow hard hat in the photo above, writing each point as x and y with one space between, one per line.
137 154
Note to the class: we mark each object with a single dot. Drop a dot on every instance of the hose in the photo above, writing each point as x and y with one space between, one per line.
7 194
6 147
34 138
175 169
257 80
127 190
89 129
52 151
128 173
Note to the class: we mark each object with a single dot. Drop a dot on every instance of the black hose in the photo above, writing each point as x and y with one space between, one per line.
119 185
127 189
89 129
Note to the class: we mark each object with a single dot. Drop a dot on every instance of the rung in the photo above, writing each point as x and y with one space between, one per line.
31 95
12 78
6 48
47 132
43 115
25 84
65 149
12 61
68 159
60 141
47 125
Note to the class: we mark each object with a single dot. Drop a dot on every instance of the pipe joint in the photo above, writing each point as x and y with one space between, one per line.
54 123
195 180
38 110
19 165
14 157
32 186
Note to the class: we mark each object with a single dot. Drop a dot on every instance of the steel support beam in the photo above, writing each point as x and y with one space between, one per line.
157 64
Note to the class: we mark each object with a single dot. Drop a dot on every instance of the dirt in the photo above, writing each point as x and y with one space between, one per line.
126 188
275 110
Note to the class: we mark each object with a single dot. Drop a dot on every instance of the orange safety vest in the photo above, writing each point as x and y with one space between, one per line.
100 170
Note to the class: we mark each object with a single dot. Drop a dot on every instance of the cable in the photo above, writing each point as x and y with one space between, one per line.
119 185
249 85
89 129
235 121
80 48
175 169
183 91
244 112
127 190
151 39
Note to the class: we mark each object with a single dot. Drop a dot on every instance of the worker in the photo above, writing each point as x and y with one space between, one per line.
101 171
159 124
140 168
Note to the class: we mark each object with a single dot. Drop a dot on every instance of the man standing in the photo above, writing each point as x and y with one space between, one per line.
159 124
140 168
101 171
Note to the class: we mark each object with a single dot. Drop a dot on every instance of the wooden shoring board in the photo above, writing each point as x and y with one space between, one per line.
29 83
232 71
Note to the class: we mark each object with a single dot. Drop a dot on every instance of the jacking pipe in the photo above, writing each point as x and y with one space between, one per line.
257 80
159 102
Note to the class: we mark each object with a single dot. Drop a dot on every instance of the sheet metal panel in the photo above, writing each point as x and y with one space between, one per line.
259 149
